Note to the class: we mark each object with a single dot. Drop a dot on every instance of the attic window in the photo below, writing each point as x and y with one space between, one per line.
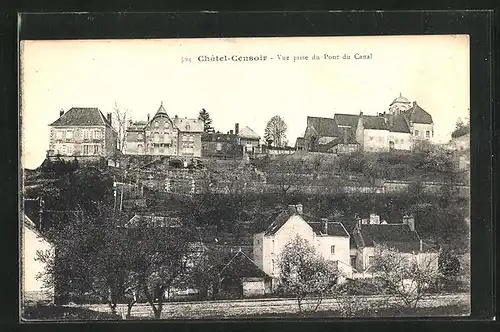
332 249
188 127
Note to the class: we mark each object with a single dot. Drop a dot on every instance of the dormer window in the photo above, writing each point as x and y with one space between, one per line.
188 127
157 124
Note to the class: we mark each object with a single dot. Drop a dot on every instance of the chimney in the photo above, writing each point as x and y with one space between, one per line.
414 103
61 112
361 113
109 118
231 132
299 209
292 209
148 117
236 128
325 225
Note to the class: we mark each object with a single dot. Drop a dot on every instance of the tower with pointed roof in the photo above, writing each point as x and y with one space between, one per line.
164 135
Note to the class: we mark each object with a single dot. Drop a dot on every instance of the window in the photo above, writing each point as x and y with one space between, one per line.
139 148
156 137
188 127
416 132
157 124
97 134
428 134
59 134
140 136
371 138
63 149
69 134
86 149
86 134
332 249
70 149
96 149
218 147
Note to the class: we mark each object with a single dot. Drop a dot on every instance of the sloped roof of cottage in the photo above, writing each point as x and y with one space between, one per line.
247 132
322 126
400 99
350 120
278 221
374 122
82 116
398 124
417 114
398 236
239 265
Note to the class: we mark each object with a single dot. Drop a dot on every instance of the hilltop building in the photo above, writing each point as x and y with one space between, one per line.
234 144
83 132
400 128
330 238
163 135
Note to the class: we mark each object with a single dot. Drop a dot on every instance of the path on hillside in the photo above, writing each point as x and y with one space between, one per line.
249 307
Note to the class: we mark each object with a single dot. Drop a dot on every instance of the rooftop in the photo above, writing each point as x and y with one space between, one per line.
82 116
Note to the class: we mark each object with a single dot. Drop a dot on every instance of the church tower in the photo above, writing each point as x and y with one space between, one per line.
399 105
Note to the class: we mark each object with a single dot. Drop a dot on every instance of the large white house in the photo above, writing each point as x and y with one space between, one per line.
330 239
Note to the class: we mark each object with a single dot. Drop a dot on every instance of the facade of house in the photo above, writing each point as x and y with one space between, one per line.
248 139
83 132
163 135
372 231
218 145
330 239
32 287
398 129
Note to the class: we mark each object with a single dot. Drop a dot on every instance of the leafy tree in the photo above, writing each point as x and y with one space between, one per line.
204 116
408 277
304 273
275 132
461 128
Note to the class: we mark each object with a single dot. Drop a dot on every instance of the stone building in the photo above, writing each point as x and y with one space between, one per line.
83 132
163 135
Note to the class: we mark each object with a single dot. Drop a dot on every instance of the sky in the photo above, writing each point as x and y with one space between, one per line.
139 75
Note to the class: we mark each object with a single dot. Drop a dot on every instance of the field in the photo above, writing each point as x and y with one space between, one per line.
380 306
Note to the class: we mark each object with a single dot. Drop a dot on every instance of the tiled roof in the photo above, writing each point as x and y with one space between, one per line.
322 126
239 265
397 236
416 114
188 125
351 139
333 228
246 132
350 120
398 124
82 116
374 122
279 221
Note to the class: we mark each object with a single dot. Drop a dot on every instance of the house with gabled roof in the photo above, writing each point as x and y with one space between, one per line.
163 135
330 239
83 132
372 232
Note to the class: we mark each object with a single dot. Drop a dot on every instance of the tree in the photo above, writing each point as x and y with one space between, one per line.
461 128
159 261
120 120
406 276
90 258
204 116
304 273
275 131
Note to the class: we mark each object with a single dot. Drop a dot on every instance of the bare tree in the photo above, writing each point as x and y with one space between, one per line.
275 131
120 120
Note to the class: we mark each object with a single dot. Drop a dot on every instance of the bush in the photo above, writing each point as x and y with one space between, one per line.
53 312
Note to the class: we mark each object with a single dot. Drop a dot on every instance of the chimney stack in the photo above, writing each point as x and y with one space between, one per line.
231 131
300 209
61 112
148 117
325 225
109 118
292 209
414 103
236 128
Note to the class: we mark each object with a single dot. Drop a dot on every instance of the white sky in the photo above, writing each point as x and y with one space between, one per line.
140 74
